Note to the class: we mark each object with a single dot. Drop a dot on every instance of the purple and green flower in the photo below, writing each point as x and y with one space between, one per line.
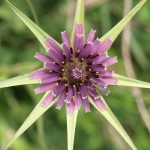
74 73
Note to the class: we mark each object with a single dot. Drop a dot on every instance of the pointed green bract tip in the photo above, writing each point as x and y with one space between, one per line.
110 117
116 30
34 115
79 17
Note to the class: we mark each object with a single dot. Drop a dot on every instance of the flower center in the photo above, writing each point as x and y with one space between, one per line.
75 71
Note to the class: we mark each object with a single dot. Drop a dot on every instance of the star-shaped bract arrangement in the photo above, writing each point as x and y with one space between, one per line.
74 72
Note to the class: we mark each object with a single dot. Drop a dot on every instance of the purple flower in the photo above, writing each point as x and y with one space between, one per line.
74 73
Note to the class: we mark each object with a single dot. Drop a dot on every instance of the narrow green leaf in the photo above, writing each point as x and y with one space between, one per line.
115 31
71 125
38 32
108 114
20 80
79 17
125 81
34 115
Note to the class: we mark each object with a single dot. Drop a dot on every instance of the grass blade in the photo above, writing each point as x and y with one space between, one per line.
138 52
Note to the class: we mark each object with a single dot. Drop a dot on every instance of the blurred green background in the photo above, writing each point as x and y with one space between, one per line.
17 48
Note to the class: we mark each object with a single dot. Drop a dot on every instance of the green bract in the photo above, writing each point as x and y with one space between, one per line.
71 120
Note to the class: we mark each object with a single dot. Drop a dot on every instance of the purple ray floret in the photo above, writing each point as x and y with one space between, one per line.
73 74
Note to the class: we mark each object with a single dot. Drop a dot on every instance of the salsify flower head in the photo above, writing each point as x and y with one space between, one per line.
75 72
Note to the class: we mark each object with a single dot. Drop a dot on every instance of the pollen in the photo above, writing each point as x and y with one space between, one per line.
62 69
66 84
73 98
78 51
